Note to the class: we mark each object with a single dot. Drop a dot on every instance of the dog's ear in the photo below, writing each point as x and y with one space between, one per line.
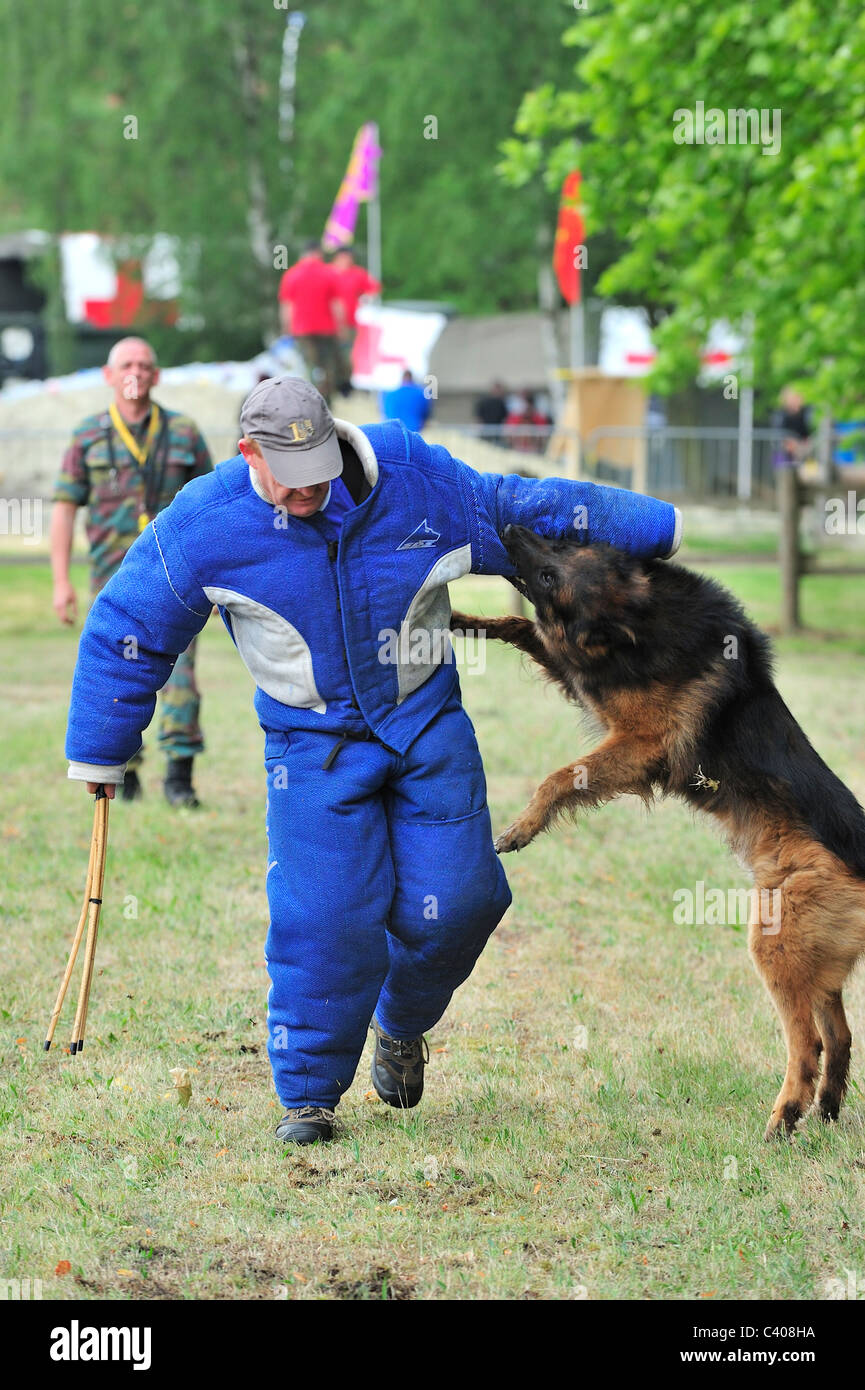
636 595
627 585
639 587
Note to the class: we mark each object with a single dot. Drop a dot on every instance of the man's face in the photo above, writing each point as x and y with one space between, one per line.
133 373
297 501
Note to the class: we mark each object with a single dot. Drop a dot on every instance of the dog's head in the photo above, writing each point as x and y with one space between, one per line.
589 599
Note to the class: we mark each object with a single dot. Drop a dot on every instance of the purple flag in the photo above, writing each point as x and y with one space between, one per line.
358 186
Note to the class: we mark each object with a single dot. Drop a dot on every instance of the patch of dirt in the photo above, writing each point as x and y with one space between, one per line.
379 1284
312 1177
151 1290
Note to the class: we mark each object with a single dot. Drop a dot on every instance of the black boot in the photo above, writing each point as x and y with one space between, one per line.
178 783
132 789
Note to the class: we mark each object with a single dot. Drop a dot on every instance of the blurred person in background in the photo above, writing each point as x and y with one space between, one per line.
354 284
524 412
311 311
125 464
409 403
795 419
492 411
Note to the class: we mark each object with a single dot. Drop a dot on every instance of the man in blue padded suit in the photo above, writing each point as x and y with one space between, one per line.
328 550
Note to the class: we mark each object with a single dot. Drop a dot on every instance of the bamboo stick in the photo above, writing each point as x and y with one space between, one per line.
100 835
76 942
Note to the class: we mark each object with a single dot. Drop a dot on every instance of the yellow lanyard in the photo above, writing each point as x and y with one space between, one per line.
138 451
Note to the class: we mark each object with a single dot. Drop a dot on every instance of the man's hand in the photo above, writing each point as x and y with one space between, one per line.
65 601
62 528
108 787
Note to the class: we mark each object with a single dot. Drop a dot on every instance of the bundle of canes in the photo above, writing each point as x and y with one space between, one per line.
90 917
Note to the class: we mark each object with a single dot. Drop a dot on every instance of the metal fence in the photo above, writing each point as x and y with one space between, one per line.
522 439
679 462
30 458
697 463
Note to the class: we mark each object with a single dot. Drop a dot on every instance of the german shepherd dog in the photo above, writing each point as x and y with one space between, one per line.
681 681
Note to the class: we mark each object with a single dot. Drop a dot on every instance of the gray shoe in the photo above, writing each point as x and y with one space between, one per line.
306 1125
397 1068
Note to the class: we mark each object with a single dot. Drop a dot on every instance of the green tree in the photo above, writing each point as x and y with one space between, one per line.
720 230
138 119
132 118
443 79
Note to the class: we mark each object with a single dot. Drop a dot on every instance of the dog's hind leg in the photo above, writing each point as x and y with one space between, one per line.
836 1036
840 932
783 955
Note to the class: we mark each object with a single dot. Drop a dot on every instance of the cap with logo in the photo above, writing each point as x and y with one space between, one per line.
290 422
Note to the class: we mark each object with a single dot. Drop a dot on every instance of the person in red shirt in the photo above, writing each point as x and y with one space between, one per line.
354 282
525 412
312 313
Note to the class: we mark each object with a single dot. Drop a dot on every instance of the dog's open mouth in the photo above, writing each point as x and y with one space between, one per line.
517 579
518 584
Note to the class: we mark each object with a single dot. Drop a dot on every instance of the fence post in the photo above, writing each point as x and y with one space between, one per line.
824 475
788 547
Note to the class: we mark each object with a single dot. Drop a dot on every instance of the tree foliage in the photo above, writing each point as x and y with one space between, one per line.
720 230
206 164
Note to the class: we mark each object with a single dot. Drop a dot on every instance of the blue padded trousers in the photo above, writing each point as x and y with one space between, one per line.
383 887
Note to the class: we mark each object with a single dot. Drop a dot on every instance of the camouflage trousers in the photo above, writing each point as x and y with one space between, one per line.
323 357
180 733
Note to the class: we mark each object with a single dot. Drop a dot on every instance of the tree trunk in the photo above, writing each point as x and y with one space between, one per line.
258 220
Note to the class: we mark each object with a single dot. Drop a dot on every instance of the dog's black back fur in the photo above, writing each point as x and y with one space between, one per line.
751 744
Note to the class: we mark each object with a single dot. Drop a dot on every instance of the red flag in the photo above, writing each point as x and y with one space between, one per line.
569 240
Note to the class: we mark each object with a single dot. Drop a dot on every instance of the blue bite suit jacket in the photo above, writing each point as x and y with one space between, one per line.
339 636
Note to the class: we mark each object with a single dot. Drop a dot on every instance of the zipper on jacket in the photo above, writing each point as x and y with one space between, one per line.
332 554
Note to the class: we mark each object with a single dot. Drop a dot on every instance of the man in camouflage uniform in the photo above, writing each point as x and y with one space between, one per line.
125 464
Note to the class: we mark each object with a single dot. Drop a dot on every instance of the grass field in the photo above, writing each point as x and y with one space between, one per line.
595 1104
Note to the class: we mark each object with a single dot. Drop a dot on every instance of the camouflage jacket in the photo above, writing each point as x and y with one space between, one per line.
99 472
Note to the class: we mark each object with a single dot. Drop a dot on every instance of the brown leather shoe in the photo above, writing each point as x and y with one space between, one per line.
397 1068
307 1125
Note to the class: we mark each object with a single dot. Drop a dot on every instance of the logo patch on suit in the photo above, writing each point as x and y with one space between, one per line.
423 537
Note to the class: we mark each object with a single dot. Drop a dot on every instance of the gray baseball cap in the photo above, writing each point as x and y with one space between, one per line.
290 422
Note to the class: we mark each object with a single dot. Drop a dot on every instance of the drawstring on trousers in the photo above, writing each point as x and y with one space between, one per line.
340 743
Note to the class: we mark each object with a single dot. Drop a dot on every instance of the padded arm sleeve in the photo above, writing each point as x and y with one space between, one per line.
143 619
557 508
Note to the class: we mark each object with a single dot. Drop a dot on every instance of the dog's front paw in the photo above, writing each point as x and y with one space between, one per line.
517 836
462 622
